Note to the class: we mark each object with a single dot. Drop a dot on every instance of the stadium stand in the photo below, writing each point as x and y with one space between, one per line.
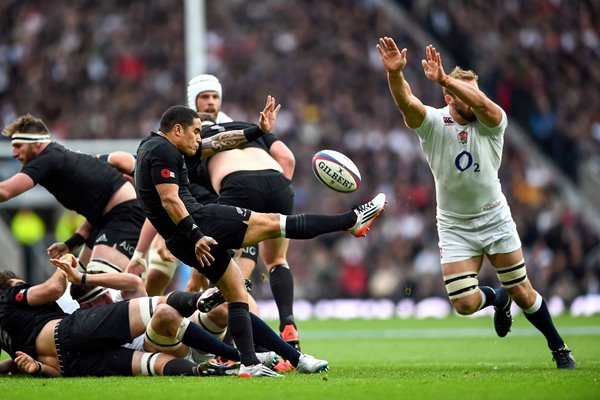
112 78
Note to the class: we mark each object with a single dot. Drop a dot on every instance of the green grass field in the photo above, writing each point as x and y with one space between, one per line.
454 358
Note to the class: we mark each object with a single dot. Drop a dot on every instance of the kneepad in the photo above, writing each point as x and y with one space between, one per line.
461 284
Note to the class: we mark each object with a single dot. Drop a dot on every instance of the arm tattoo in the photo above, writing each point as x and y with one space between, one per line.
224 141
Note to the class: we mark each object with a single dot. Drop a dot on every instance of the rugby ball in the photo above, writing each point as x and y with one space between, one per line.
336 171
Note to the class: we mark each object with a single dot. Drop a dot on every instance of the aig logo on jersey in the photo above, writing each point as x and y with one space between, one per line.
463 137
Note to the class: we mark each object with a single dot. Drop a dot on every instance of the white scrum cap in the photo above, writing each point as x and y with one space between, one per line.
202 83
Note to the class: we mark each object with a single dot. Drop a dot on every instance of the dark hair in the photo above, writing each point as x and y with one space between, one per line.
181 115
5 277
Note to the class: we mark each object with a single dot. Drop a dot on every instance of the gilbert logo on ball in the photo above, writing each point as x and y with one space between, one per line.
336 171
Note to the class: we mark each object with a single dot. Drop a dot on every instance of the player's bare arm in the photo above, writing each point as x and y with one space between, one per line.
234 139
486 111
394 61
14 186
48 291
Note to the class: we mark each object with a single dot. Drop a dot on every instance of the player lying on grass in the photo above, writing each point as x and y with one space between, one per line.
166 326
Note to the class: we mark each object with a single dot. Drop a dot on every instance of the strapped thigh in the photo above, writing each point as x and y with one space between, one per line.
98 265
461 284
156 262
513 275
147 305
147 364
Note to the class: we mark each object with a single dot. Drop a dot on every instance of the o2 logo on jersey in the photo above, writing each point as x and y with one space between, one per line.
464 161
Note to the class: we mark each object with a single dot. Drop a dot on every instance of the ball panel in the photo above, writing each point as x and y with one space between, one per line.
336 171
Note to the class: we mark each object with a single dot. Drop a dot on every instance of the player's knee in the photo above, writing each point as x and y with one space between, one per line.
166 314
467 305
166 335
463 291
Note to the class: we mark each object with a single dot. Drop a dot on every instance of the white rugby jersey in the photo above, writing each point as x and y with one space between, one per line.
464 160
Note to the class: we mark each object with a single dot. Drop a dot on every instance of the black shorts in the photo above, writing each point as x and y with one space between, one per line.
265 191
88 342
121 227
226 225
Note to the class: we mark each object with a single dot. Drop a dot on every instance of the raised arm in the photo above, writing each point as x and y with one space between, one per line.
234 139
486 111
394 61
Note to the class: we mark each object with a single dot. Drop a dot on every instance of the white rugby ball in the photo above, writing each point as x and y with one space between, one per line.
336 171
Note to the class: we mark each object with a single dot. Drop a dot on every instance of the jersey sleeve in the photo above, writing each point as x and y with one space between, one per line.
433 119
17 295
165 164
268 139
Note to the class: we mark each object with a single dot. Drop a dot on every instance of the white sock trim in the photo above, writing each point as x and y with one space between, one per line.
182 328
282 221
536 304
483 299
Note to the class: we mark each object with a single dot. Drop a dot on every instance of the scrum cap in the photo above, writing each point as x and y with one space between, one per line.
202 83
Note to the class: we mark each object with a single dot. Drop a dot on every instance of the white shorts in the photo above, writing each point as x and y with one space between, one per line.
492 233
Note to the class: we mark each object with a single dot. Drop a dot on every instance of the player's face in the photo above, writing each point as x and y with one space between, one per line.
189 139
24 152
461 108
209 102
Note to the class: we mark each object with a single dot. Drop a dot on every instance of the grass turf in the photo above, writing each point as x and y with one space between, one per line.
453 358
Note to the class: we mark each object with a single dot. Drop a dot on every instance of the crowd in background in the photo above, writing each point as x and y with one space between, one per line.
107 69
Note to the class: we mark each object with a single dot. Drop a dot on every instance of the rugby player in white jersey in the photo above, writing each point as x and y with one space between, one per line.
463 146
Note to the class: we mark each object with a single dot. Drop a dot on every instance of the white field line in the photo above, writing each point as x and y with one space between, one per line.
436 333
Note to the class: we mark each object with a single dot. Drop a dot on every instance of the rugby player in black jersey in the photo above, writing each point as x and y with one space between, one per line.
202 236
82 183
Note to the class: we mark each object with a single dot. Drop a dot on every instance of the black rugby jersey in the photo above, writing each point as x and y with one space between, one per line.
158 161
20 323
80 182
200 185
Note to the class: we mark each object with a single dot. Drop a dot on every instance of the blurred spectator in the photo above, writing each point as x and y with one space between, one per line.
106 69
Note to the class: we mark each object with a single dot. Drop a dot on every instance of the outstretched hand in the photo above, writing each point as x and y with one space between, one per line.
57 249
268 115
433 65
393 59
